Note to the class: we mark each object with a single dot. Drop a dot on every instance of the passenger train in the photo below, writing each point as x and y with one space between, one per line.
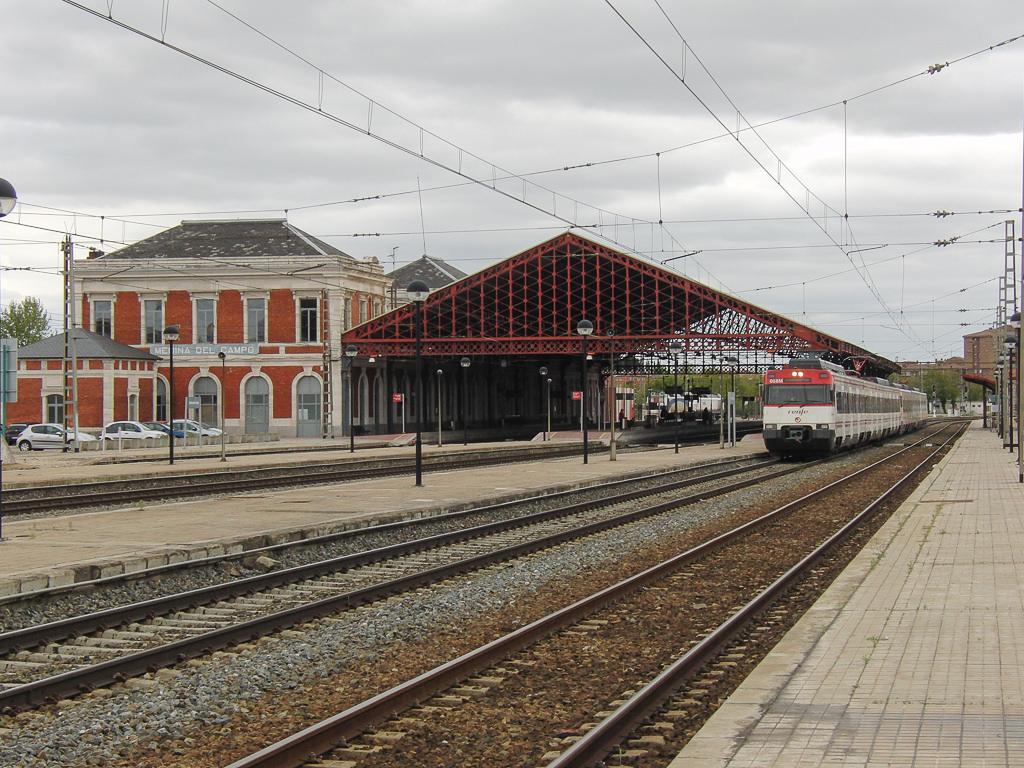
812 406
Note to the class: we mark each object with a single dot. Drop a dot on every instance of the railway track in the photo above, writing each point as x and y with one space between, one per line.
63 658
178 486
648 634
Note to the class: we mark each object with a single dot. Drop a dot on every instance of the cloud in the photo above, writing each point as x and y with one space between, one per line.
99 120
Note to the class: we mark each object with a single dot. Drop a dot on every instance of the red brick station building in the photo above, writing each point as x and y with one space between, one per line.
500 346
274 299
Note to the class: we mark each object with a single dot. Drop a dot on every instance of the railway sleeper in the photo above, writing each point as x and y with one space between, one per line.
85 651
107 642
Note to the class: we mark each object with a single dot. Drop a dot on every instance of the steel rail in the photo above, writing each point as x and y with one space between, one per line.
603 738
384 528
83 679
295 750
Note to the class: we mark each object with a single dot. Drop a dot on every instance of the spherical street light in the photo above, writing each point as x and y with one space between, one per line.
350 358
8 197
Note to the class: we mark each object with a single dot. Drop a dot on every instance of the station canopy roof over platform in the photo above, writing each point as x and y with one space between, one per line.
530 304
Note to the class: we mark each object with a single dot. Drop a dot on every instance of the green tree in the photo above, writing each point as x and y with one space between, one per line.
26 320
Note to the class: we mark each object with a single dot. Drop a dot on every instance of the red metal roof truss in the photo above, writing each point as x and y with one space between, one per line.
530 304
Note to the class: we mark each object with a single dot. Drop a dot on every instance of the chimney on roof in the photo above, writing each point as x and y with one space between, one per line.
95 253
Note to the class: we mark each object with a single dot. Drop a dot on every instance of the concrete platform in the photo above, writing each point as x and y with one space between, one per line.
66 549
915 655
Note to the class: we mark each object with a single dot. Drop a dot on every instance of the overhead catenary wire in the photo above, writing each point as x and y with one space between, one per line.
865 276
423 132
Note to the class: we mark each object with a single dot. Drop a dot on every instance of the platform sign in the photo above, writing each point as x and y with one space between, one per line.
9 370
193 402
397 397
577 395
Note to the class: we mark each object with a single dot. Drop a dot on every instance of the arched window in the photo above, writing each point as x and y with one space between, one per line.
257 405
307 406
161 400
205 388
55 409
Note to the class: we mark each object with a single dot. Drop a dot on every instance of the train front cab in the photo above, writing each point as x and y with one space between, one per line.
799 412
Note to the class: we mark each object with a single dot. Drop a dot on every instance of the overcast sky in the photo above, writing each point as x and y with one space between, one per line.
98 120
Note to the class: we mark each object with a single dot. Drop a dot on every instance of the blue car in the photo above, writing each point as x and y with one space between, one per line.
160 427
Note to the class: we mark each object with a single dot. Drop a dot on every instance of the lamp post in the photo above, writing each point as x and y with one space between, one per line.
465 363
223 389
1011 345
675 348
584 328
171 334
8 199
1015 324
612 456
350 359
732 390
545 383
440 373
417 293
1001 377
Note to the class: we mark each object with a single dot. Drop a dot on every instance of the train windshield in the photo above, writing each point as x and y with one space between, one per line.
794 394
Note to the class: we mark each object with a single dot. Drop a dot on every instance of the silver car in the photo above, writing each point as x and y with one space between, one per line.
130 430
37 437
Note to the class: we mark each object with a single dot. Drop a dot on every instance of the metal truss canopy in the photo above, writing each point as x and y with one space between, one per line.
530 304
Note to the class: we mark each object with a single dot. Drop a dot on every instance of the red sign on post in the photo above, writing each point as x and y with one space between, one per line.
577 395
397 397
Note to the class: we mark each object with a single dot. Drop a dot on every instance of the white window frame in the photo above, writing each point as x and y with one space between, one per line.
298 318
266 317
92 311
162 298
196 298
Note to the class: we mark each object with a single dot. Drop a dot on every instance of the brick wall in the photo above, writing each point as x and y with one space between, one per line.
90 401
182 376
230 386
29 406
120 398
281 316
281 378
229 317
178 310
145 400
128 318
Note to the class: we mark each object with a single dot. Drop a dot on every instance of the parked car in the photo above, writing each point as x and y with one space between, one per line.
130 430
70 434
195 429
11 432
161 427
37 437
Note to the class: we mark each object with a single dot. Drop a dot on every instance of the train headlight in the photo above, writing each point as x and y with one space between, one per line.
822 426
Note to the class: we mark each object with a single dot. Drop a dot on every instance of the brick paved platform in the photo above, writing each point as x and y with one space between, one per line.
915 656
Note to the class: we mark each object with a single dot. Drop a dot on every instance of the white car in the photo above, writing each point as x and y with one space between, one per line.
130 430
195 429
37 437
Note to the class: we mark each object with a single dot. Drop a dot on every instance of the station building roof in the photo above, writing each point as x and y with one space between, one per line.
530 304
88 345
235 239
